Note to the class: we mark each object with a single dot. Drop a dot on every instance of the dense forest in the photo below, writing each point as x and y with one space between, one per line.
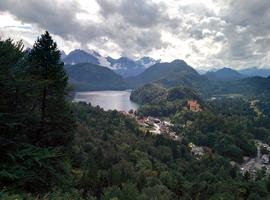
52 148
228 125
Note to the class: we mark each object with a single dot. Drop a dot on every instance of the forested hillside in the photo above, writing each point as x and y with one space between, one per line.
54 149
223 82
167 74
227 125
87 77
158 101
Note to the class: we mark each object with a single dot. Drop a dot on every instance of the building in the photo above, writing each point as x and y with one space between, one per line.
194 106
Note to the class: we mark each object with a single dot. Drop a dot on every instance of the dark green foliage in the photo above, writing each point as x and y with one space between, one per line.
149 94
225 127
109 157
159 101
33 167
117 161
87 77
48 74
250 88
35 118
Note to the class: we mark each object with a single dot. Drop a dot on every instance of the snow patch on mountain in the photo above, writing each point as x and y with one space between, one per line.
123 65
147 61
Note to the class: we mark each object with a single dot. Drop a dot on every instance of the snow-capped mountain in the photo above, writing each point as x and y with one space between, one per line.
126 66
147 61
123 65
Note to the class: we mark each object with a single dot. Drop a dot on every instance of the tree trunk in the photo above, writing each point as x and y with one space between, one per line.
44 99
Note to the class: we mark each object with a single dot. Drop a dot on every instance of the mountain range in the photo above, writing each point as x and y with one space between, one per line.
222 82
255 71
128 67
106 73
124 66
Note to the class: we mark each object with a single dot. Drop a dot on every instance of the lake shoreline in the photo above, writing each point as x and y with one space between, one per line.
108 99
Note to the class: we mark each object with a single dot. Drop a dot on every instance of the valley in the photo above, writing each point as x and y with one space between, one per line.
74 131
134 100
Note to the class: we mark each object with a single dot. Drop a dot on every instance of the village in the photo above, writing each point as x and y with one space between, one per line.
260 162
157 126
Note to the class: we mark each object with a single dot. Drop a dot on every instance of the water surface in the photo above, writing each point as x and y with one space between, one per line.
108 100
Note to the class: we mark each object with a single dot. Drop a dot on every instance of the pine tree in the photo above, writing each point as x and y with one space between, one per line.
10 113
47 71
10 53
35 118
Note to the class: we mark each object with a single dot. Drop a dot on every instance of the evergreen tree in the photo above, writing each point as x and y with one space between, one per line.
35 118
10 53
47 70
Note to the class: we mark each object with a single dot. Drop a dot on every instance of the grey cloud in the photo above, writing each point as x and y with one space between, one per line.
247 13
198 9
241 28
47 14
262 44
194 48
134 29
140 13
247 30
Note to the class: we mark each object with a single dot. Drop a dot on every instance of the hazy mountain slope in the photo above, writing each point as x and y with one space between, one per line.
224 74
87 76
254 71
251 87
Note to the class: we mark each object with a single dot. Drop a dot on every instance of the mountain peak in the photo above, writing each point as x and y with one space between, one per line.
94 53
77 51
179 61
227 69
167 74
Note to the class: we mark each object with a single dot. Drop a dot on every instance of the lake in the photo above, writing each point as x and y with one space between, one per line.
108 100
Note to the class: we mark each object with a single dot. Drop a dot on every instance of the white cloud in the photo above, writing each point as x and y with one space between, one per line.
206 33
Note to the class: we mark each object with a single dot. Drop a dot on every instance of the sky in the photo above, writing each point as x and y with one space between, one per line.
205 33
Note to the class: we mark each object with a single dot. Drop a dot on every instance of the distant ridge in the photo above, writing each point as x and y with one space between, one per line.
224 74
255 71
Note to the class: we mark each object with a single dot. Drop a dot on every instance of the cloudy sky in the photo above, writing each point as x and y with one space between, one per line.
205 33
